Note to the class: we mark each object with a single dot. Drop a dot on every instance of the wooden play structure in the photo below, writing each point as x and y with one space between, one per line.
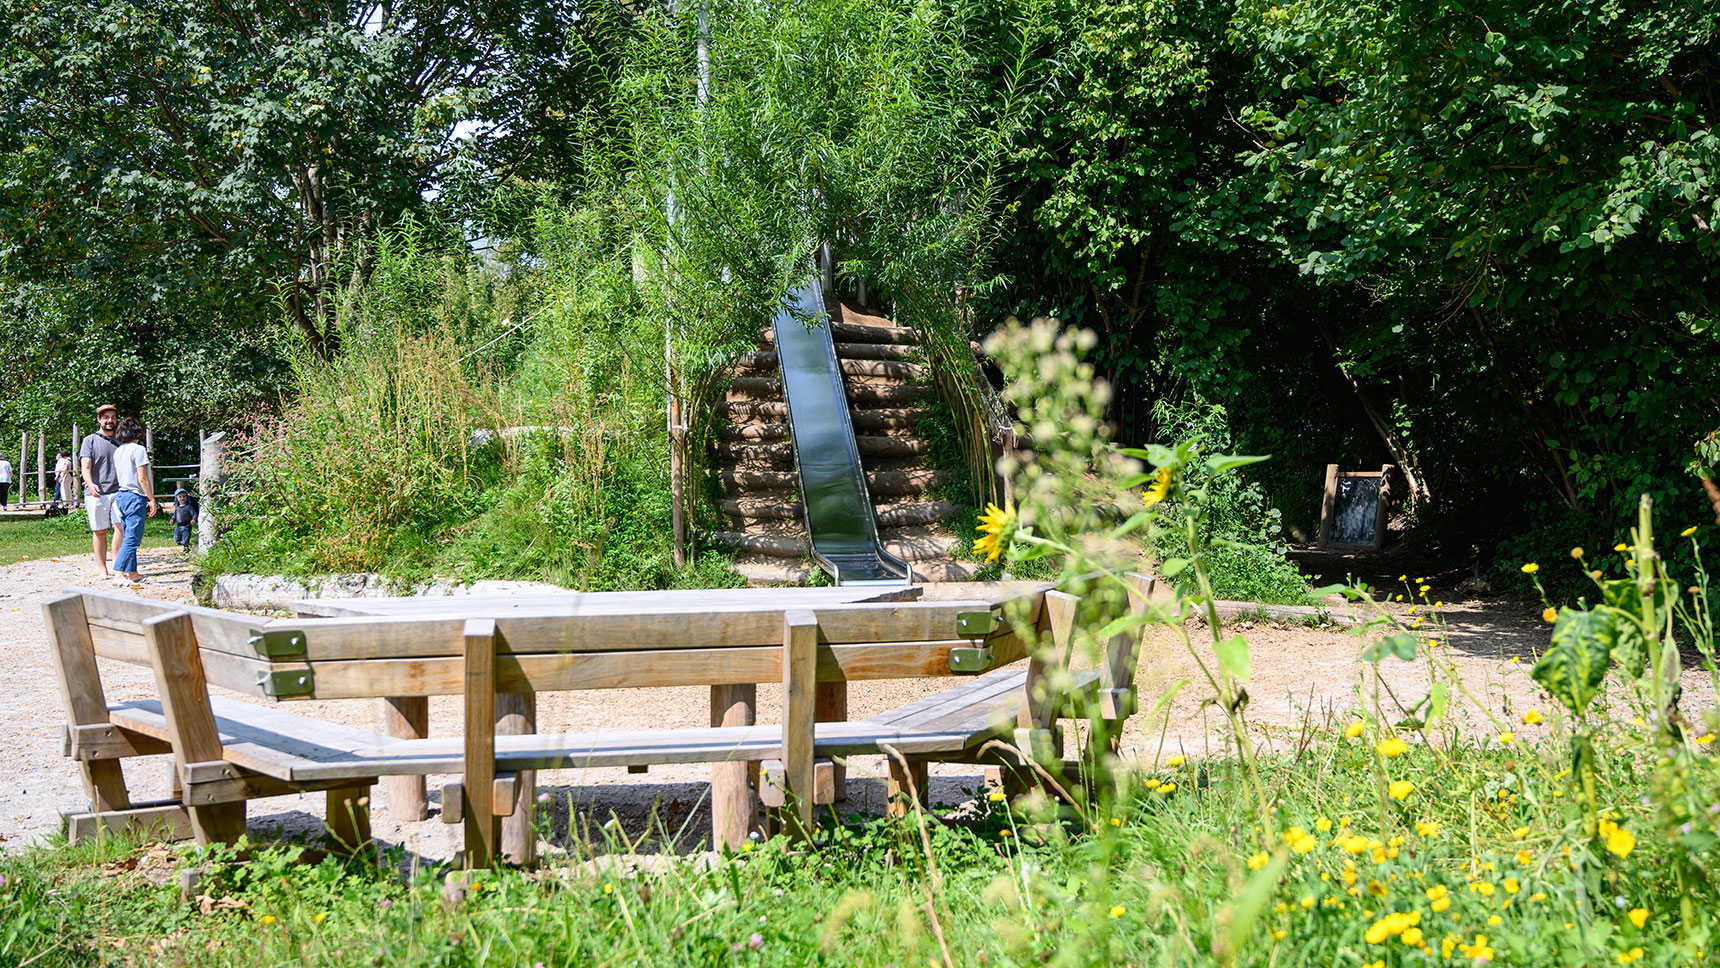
226 682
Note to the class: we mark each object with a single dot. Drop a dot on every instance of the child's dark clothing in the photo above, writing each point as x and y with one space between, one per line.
183 515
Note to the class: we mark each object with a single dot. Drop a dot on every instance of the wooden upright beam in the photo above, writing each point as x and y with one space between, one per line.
406 717
1050 662
483 827
799 678
832 707
734 801
516 715
190 722
81 687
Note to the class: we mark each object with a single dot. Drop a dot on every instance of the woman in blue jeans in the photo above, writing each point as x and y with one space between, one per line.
135 500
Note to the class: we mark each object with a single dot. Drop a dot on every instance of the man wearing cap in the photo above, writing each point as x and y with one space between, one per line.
101 483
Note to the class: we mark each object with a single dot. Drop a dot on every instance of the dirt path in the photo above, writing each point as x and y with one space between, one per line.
1299 673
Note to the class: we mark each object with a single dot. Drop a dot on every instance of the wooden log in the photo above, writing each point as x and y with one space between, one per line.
799 678
516 715
347 818
406 717
74 660
190 722
453 801
41 466
483 827
831 706
211 470
734 807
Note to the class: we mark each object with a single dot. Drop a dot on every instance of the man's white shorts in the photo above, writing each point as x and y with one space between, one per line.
100 510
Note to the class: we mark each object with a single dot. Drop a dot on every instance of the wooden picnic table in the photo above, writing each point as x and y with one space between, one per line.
647 621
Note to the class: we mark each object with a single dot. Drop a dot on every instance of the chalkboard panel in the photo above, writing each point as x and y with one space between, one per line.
1355 520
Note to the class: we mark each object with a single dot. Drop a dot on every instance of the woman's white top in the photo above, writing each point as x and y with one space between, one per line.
126 460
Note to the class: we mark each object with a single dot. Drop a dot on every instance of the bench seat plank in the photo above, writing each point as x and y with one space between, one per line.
262 738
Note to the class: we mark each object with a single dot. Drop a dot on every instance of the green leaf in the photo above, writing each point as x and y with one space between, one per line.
1576 664
1436 699
1173 567
1255 895
1234 657
1399 645
1225 463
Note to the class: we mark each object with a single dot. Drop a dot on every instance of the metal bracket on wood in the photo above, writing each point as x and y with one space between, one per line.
977 625
281 683
970 660
277 643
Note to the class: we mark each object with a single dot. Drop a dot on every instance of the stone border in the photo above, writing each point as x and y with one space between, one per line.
276 592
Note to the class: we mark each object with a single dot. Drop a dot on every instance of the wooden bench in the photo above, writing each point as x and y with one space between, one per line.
228 751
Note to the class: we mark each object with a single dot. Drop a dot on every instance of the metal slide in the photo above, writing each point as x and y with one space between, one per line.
834 499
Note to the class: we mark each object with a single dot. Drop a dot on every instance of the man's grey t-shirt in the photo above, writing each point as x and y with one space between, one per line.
99 449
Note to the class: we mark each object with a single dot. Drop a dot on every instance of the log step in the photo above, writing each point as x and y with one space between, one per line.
755 431
910 544
857 333
873 351
892 515
881 483
886 394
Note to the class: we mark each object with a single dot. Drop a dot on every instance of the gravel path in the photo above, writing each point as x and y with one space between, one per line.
1301 674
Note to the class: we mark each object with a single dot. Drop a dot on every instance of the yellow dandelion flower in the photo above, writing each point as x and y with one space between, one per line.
267 919
1304 844
997 525
1620 842
1638 916
1483 888
1550 615
1391 747
1167 788
1704 739
1354 729
1117 910
1511 885
1175 761
1687 532
1577 552
1524 858
1258 860
1159 489
1507 738
1621 546
1306 902
1322 824
1531 568
1533 717
1411 937
1400 789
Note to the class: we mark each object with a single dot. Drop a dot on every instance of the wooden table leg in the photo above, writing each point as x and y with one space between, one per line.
799 681
734 804
406 717
905 786
483 827
81 686
348 816
516 715
190 722
831 706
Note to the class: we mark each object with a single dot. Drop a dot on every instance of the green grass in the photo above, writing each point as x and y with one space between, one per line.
1183 877
28 538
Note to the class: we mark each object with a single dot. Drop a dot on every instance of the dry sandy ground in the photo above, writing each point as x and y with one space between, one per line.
1300 673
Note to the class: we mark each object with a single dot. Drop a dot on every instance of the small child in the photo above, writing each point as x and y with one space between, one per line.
183 515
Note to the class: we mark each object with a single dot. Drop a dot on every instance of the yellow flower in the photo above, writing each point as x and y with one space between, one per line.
1353 845
609 888
1400 789
1175 761
995 796
1538 896
1511 885
1483 888
1687 532
267 919
1381 963
1506 738
1159 489
1436 892
1353 730
1117 910
1533 718
1427 828
1620 842
1621 546
1480 950
1304 844
1626 957
1494 921
1638 916
1412 937
1531 568
1280 934
1705 739
1116 822
1391 746
997 524
1322 824
1306 902
1550 615
1522 832
1258 860
1577 552
319 916
1441 904
1167 788
1524 858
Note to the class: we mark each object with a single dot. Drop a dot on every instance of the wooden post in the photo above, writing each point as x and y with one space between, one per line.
77 495
905 785
677 470
516 715
406 717
23 464
1038 712
734 803
1328 506
190 722
81 687
42 465
347 817
799 679
149 446
831 706
483 827
210 470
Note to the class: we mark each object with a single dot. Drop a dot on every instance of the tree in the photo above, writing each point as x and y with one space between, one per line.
230 153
